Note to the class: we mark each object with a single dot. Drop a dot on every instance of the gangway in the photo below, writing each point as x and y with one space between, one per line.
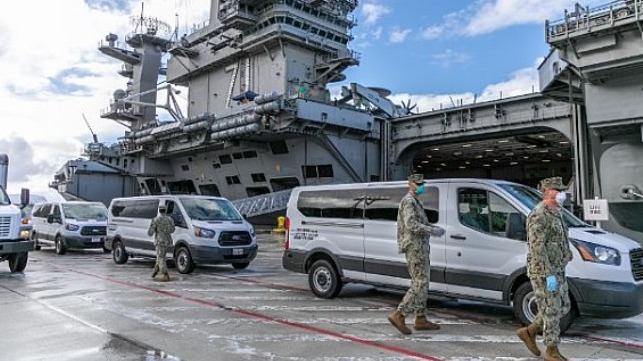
263 204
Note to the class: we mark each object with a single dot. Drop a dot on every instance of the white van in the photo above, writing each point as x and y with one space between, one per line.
347 233
209 230
69 225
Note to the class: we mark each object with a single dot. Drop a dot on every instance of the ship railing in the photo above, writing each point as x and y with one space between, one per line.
263 204
584 19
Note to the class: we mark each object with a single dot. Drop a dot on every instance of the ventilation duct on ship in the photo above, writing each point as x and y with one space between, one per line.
196 119
235 122
145 139
196 126
267 107
267 97
141 133
166 129
234 132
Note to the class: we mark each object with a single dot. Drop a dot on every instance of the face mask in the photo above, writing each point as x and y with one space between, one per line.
560 198
420 189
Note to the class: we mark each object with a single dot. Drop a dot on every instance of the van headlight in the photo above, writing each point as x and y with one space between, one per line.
592 252
203 232
72 227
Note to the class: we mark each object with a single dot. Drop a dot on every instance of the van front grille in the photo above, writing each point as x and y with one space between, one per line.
236 238
5 226
93 231
636 259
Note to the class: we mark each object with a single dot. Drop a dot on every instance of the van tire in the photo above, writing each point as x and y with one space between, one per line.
525 308
17 261
243 265
60 245
324 280
119 254
183 260
37 245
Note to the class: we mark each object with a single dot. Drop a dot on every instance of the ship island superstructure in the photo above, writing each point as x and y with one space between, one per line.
260 118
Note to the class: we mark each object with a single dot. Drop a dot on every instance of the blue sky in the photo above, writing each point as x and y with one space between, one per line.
429 51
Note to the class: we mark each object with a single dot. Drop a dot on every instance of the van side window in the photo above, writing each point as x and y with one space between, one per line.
431 201
56 211
175 213
331 204
44 210
473 209
382 204
506 221
146 209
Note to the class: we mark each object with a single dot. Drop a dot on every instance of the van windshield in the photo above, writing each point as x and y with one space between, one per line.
210 209
531 197
96 211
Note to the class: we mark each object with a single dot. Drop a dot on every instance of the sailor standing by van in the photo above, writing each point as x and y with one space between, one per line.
413 232
161 228
548 255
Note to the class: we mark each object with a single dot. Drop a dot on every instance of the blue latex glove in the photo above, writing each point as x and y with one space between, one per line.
551 283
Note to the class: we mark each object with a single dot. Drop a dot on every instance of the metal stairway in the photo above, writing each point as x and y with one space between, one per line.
263 204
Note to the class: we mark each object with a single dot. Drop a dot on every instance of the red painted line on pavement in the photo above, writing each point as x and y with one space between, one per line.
603 339
270 284
268 318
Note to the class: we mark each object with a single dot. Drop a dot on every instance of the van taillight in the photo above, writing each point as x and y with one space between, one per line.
287 234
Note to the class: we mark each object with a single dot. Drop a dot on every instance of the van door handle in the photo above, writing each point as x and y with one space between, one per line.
458 236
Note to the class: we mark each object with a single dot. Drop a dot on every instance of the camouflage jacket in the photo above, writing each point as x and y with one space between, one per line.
162 228
413 228
549 251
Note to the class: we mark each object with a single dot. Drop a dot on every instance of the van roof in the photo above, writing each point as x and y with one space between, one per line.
169 196
399 183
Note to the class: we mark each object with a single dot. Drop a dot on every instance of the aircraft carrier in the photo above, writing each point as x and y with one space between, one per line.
260 119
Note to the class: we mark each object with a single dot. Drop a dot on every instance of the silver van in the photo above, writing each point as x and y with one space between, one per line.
347 233
68 225
209 230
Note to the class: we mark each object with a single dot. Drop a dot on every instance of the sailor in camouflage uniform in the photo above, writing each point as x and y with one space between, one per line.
548 255
413 231
162 228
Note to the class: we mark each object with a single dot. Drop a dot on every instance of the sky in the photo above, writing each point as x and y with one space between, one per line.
435 53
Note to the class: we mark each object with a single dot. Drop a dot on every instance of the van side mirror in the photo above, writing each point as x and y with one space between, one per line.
244 216
53 219
24 196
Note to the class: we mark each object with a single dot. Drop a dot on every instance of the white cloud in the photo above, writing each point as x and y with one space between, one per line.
450 57
399 35
432 32
52 73
372 12
522 81
486 16
377 33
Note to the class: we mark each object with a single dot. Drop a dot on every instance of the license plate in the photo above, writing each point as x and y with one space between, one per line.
237 251
95 239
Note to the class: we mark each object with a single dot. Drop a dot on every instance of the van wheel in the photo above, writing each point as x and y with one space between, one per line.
183 260
119 254
60 245
17 262
526 310
324 280
243 265
37 245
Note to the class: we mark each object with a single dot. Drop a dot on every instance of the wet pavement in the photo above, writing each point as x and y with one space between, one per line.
82 306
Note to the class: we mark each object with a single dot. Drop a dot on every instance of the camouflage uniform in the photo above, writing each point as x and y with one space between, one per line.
162 228
549 254
413 231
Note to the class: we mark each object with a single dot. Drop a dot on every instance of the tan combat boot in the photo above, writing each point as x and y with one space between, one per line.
421 324
397 319
528 336
164 278
552 354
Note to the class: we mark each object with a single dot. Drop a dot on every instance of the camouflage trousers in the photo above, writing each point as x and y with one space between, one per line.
161 265
551 307
414 302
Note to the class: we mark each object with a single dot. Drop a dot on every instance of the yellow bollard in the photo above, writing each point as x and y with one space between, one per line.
281 221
